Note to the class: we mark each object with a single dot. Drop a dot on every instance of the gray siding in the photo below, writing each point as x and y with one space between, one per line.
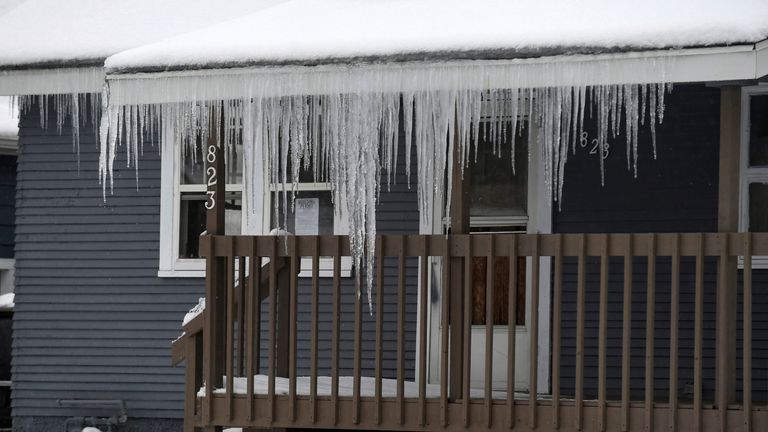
675 193
92 318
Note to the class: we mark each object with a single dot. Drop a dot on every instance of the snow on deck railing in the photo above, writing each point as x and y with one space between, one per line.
346 128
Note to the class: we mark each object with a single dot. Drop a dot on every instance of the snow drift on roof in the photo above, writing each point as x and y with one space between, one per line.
320 30
9 119
77 32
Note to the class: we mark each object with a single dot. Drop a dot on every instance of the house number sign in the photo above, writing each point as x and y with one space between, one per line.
593 144
211 174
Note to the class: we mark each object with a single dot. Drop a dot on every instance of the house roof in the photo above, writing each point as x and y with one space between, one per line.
39 36
334 31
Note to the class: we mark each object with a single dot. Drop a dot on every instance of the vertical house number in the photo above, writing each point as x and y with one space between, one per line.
210 172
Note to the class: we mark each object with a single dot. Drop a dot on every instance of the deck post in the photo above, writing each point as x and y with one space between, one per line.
214 330
459 225
727 221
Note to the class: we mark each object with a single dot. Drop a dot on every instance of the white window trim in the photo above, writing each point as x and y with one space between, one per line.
749 175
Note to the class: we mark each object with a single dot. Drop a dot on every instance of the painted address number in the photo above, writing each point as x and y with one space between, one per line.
594 144
210 203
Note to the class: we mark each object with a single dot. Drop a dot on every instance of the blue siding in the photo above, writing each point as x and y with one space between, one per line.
677 192
92 318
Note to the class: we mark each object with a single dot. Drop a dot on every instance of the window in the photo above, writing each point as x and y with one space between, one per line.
183 214
754 164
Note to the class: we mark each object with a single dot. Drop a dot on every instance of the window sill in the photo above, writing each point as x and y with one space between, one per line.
325 271
181 273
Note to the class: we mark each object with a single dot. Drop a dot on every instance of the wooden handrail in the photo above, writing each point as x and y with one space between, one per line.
590 278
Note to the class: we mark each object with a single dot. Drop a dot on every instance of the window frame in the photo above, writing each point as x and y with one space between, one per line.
747 174
171 266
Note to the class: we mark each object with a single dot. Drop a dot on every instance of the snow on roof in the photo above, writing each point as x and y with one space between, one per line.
85 32
307 31
9 120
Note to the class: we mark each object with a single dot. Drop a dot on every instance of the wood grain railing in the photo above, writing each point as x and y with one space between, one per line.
602 273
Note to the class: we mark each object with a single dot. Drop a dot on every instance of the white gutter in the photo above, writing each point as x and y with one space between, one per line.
742 62
51 81
761 61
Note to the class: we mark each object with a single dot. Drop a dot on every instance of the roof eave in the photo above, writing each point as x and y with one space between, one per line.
711 64
51 80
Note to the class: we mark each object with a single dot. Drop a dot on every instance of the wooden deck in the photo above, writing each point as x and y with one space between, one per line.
226 340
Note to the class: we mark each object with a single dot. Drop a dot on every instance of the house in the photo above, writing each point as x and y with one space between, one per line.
623 231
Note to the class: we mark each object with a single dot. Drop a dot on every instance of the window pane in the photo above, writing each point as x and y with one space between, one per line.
758 207
193 167
314 212
758 130
193 217
496 191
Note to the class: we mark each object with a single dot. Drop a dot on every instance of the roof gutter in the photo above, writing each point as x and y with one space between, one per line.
64 80
732 63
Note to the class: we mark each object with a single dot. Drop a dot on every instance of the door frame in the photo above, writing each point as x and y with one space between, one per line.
540 221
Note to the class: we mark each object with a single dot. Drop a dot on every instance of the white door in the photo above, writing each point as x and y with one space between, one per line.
502 202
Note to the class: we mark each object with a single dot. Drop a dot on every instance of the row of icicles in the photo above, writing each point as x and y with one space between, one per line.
346 140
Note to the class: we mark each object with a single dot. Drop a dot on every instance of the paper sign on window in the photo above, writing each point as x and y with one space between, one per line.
307 216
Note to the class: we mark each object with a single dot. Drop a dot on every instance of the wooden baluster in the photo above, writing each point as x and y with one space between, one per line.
650 320
534 335
467 327
401 330
747 328
698 369
230 323
722 375
252 325
335 332
512 330
379 322
489 303
272 328
674 336
315 324
580 298
358 353
603 336
293 276
241 306
445 290
557 308
423 280
626 339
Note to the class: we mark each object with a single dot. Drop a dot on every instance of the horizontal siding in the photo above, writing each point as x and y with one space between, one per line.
93 320
677 192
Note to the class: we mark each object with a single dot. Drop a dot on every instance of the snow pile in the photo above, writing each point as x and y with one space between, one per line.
9 119
76 32
6 301
194 312
346 387
319 30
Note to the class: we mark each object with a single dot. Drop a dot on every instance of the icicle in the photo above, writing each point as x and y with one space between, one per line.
350 139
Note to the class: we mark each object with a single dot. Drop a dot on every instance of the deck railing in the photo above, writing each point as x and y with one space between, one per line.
249 276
